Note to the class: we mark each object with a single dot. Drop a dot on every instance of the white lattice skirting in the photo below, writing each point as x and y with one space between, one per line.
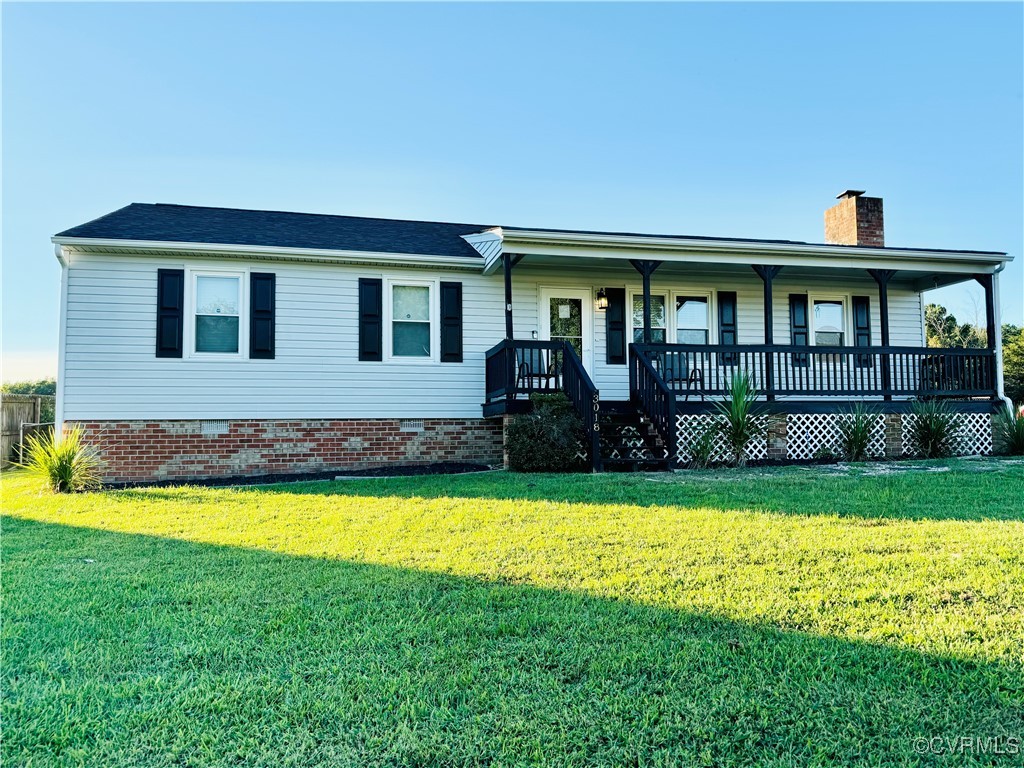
690 427
975 434
808 434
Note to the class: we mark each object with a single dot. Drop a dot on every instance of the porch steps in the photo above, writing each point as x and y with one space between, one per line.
629 443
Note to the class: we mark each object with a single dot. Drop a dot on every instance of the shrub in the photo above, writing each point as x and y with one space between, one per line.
855 430
548 439
935 430
741 418
66 466
702 448
1009 432
825 453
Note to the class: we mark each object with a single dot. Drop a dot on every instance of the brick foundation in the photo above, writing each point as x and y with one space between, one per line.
893 424
139 451
778 439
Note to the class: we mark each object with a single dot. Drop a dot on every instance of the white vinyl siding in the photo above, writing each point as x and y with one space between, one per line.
905 326
111 371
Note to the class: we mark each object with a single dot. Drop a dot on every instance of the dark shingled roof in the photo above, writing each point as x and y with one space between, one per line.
163 222
234 226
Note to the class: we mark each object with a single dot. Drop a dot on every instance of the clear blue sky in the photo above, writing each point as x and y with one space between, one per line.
734 120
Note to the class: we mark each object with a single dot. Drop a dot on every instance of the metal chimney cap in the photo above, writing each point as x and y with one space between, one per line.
850 193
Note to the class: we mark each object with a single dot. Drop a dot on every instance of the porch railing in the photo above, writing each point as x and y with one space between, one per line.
515 368
694 370
649 390
582 393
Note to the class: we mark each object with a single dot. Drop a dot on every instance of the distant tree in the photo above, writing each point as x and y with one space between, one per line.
39 387
1013 363
943 330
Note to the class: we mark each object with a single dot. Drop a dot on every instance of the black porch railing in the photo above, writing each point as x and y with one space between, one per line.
696 370
652 394
515 369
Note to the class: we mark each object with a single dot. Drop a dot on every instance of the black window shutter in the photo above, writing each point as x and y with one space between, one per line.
451 322
615 326
261 315
862 328
727 325
798 329
371 321
170 311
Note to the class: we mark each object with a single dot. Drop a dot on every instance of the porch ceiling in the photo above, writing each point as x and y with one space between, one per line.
925 268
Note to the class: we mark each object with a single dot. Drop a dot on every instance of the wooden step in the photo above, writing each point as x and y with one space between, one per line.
629 442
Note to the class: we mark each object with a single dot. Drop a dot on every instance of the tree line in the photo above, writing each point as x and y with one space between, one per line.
943 330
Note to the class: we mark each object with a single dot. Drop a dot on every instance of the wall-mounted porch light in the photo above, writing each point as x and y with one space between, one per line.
602 299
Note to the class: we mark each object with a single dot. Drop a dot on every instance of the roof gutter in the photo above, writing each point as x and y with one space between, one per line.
105 245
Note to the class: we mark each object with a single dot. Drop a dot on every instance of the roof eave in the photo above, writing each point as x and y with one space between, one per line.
595 245
108 245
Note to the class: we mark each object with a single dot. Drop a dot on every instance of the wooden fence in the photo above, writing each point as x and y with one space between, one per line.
20 416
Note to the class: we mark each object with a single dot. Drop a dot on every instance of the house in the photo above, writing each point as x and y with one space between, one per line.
198 342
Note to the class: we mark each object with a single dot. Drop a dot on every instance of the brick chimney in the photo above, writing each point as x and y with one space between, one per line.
855 220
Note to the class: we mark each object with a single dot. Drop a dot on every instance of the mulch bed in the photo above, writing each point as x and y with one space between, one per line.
412 470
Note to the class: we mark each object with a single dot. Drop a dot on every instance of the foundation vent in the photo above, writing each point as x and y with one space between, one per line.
410 425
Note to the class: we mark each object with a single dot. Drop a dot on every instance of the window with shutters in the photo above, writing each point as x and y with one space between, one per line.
217 317
411 320
828 321
693 319
659 318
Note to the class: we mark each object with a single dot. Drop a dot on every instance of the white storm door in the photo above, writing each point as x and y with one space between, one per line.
566 314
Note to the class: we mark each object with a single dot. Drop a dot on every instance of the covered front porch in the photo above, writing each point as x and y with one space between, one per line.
829 334
816 329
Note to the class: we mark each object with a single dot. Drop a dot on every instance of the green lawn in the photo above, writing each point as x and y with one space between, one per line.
761 618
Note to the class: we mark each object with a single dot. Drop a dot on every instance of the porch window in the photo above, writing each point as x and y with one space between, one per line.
829 322
217 311
410 320
692 319
658 319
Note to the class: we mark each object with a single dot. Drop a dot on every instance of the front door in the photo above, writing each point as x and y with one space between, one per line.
565 315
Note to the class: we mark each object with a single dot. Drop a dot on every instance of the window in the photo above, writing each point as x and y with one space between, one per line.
218 307
658 318
411 315
829 318
692 319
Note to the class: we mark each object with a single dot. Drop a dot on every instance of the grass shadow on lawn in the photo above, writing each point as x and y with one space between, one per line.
123 649
952 495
